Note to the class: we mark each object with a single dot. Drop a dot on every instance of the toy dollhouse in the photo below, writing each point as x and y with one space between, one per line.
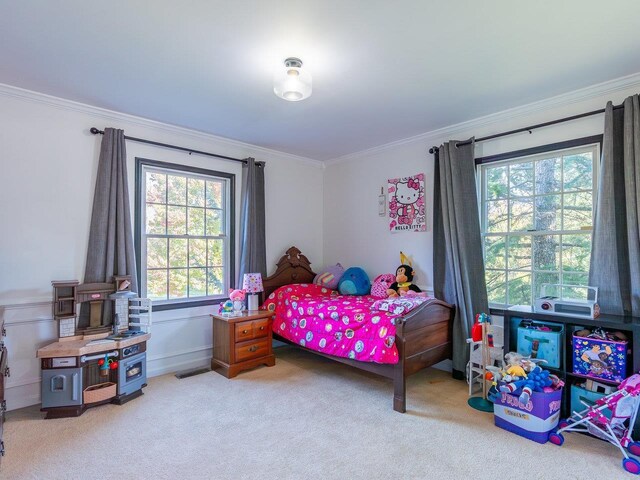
100 355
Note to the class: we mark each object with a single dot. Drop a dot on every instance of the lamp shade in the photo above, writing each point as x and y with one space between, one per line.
292 82
252 283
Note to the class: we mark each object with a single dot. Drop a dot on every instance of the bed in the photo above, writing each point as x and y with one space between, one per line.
422 336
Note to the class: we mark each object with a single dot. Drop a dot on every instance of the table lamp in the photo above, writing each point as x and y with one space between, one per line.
252 284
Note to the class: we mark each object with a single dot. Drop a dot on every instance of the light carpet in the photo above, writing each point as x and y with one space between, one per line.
305 418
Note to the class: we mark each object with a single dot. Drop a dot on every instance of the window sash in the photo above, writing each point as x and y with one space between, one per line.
226 212
508 234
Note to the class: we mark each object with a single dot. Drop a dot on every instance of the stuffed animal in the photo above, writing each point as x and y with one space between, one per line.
354 281
381 284
226 307
404 279
237 297
524 375
330 277
536 381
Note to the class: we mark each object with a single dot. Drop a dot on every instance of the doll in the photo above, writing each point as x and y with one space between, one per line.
237 297
404 279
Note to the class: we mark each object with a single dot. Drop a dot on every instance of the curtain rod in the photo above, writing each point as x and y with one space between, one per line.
532 127
95 131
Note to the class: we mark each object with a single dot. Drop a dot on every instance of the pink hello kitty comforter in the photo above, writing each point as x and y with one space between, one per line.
342 325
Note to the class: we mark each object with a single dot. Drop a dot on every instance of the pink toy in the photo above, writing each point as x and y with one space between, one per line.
623 406
237 295
381 284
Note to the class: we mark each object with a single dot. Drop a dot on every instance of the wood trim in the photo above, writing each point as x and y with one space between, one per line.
293 267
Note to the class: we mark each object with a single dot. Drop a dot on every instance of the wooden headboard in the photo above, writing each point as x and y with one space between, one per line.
293 267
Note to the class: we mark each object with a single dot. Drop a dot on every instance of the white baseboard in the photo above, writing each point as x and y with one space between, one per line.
22 396
445 365
182 362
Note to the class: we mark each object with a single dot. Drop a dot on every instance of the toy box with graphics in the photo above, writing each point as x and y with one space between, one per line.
534 420
599 358
541 340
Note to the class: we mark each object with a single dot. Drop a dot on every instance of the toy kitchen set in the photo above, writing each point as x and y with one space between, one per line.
100 356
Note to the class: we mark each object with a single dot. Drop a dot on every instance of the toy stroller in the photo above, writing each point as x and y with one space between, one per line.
622 406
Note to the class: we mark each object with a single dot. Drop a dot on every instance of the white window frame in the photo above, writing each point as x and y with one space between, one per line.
481 178
143 167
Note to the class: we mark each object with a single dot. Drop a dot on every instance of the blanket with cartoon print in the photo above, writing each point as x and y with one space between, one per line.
341 325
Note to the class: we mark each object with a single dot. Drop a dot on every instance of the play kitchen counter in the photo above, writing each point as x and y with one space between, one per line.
79 373
84 346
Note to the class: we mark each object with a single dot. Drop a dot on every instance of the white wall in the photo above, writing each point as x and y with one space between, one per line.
354 233
48 163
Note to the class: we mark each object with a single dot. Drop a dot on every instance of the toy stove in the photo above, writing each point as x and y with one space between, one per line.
132 370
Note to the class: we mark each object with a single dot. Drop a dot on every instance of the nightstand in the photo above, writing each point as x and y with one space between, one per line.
242 342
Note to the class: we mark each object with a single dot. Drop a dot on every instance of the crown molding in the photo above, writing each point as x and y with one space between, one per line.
112 115
565 99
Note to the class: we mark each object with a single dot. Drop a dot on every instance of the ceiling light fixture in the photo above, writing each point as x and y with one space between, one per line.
291 82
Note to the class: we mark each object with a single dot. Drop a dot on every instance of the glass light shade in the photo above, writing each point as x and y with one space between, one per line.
292 82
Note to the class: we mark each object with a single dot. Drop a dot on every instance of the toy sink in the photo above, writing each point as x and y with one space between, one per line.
125 334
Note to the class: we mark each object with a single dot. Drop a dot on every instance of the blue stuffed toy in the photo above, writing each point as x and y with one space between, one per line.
535 381
354 281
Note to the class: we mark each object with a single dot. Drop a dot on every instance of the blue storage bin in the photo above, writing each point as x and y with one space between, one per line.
541 340
579 395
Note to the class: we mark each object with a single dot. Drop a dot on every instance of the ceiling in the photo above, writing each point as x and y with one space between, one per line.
382 70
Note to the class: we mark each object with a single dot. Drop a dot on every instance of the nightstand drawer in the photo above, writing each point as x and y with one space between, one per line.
250 330
241 342
248 350
261 328
244 331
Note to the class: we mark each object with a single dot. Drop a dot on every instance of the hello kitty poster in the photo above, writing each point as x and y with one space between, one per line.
406 204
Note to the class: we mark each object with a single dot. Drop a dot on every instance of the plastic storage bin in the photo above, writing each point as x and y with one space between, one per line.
541 340
600 358
581 396
534 420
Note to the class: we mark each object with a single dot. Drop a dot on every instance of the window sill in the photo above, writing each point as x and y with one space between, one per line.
196 303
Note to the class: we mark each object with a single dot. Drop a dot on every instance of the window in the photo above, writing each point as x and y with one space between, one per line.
536 215
184 233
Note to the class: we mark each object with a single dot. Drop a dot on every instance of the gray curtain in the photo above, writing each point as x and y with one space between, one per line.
458 264
253 252
111 250
615 251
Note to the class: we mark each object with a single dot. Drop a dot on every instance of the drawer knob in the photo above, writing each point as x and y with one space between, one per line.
253 348
261 328
245 331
